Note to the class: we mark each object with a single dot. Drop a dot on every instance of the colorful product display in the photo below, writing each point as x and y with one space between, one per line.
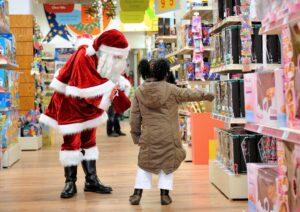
229 99
236 147
29 125
4 17
262 187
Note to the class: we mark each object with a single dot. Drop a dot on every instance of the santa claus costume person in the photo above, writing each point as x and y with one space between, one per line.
84 89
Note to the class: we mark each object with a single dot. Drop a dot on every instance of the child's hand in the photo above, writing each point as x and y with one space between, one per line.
114 93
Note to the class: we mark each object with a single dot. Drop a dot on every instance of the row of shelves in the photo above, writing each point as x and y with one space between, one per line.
234 68
188 50
287 134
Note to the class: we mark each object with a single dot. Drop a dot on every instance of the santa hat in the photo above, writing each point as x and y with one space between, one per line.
111 42
84 39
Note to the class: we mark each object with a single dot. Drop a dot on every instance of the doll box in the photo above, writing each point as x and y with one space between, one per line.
280 98
5 100
292 163
262 187
266 107
250 95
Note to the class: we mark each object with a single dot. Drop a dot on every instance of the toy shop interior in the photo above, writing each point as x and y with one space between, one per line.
242 149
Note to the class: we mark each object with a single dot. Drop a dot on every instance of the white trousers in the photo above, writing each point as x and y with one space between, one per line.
143 180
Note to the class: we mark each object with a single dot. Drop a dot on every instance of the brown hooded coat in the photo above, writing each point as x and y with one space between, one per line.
155 127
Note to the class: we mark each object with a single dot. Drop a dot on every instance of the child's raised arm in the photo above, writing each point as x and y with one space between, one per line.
135 121
189 95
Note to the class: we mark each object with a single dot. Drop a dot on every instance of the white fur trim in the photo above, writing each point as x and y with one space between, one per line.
83 41
90 92
114 51
70 129
125 85
58 86
91 153
46 120
90 51
70 158
105 102
56 74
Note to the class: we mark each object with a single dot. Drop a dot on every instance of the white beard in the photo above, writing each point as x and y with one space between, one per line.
111 68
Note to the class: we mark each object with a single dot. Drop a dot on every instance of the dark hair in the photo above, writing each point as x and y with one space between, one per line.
171 78
144 68
161 69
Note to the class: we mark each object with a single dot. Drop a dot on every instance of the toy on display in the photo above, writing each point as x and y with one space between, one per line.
29 124
262 187
4 16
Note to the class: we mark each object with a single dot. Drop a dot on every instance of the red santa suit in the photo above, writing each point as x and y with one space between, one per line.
83 94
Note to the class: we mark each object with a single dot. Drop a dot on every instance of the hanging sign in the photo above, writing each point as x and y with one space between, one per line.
163 6
59 8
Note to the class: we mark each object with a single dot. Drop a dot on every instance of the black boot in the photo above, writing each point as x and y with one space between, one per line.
136 197
164 197
92 182
70 187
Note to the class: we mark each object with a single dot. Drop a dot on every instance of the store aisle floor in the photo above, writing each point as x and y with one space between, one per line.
35 182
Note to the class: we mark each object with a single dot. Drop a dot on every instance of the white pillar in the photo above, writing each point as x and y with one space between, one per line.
20 7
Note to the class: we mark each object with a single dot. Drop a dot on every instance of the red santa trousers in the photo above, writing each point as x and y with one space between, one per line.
78 147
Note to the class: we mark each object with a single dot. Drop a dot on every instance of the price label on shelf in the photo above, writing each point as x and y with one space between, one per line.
285 135
163 6
260 128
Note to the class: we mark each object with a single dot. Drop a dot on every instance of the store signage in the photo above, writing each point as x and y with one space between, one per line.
73 17
134 5
163 6
59 8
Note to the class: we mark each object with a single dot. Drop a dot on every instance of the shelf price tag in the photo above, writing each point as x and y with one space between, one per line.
163 6
285 135
260 128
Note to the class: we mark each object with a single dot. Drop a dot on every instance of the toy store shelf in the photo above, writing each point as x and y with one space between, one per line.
239 67
276 28
188 50
286 134
175 68
229 120
4 63
166 39
184 113
11 155
231 185
30 143
226 22
204 11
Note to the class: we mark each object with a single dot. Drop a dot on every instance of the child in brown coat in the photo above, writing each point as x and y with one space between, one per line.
155 128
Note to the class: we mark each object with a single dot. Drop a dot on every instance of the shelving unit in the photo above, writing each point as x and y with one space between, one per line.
204 11
283 133
11 155
233 186
166 39
275 28
226 22
229 120
238 68
4 63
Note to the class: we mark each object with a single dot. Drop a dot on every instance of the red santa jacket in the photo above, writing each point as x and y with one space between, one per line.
81 96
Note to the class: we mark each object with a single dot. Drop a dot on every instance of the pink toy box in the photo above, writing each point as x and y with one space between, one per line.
262 187
250 93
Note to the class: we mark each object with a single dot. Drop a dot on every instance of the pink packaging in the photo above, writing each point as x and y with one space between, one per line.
250 92
262 187
280 98
266 113
291 161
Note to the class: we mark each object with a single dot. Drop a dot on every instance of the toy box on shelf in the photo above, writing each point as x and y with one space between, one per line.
4 20
30 131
